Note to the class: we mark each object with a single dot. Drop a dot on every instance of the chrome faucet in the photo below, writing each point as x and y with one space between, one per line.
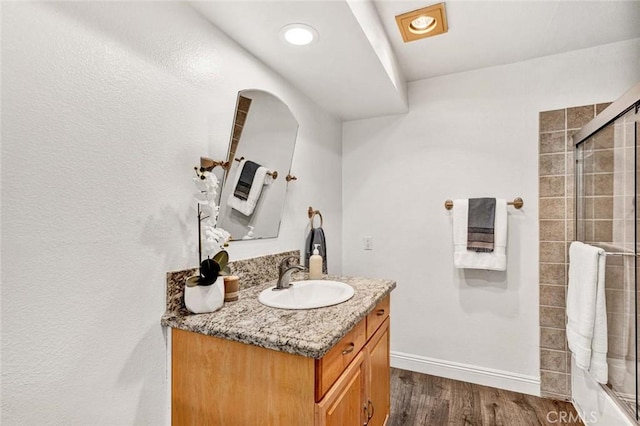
286 269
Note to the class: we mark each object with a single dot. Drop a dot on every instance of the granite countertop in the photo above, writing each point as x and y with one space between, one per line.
310 333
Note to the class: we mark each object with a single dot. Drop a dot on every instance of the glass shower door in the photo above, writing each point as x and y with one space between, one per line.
606 216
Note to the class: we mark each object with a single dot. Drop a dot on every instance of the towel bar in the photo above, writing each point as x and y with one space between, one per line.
517 203
273 174
207 164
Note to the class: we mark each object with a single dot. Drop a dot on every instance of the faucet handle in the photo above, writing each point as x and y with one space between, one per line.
287 262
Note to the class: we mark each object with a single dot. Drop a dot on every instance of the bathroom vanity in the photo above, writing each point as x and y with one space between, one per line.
249 364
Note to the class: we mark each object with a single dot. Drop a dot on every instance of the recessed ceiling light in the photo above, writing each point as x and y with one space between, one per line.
299 34
421 23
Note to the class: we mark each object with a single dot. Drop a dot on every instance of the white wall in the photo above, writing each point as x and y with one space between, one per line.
466 135
106 108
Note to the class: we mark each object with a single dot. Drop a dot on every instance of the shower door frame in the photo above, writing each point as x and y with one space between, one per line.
627 102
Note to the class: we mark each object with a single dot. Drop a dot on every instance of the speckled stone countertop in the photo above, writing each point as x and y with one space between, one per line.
309 333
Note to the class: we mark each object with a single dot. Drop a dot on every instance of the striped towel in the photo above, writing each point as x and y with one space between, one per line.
481 223
245 182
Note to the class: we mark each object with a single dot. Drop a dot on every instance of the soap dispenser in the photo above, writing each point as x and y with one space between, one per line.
315 264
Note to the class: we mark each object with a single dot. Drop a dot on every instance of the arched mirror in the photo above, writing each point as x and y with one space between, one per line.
263 138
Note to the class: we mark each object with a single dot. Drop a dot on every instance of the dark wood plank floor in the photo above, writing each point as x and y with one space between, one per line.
420 399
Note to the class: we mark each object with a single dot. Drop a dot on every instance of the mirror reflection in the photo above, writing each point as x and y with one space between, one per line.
263 138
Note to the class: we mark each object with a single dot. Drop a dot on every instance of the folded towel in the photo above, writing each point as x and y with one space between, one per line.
480 226
246 207
463 258
247 174
316 236
586 309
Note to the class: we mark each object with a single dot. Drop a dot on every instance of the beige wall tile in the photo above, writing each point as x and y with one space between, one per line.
614 275
571 162
553 382
552 120
579 116
571 143
604 139
602 207
601 107
553 360
603 231
552 295
571 231
601 161
552 186
552 273
553 252
552 230
570 185
552 164
557 229
552 142
600 184
619 301
552 338
552 208
552 316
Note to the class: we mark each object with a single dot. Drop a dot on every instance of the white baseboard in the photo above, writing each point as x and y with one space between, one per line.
467 373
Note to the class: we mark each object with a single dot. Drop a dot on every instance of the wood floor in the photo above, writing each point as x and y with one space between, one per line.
420 399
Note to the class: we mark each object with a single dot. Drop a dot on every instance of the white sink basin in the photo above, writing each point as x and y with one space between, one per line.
307 294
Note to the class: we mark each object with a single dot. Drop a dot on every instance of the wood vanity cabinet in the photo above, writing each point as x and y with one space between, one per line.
361 395
221 382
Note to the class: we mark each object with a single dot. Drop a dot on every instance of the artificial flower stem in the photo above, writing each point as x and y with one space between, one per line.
199 237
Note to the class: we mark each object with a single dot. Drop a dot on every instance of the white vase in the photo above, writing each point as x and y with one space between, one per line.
202 299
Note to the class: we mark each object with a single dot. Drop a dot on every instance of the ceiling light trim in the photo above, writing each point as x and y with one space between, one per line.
415 25
298 34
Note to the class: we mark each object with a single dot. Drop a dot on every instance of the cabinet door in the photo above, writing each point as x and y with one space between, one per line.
378 376
343 405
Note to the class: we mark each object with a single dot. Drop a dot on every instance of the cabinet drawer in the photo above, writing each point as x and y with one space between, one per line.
377 316
331 366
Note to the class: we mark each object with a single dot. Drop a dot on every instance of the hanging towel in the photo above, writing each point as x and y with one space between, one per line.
463 258
621 352
480 227
260 178
316 236
247 174
586 309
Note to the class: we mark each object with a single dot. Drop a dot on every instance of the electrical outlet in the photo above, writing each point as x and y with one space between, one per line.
367 243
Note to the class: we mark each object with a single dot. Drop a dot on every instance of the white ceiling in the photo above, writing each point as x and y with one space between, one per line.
347 70
488 33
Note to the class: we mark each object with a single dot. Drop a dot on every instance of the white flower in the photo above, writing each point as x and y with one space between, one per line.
213 239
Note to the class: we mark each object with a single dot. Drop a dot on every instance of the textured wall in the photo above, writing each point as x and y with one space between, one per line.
466 135
106 108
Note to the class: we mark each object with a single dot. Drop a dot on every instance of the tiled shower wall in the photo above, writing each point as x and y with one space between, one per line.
557 230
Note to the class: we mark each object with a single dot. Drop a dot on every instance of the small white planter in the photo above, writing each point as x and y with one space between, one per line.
203 299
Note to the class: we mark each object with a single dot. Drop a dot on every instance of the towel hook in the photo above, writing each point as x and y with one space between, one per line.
517 203
312 213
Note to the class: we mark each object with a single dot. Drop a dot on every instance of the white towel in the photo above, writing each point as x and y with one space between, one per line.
463 258
260 179
586 309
